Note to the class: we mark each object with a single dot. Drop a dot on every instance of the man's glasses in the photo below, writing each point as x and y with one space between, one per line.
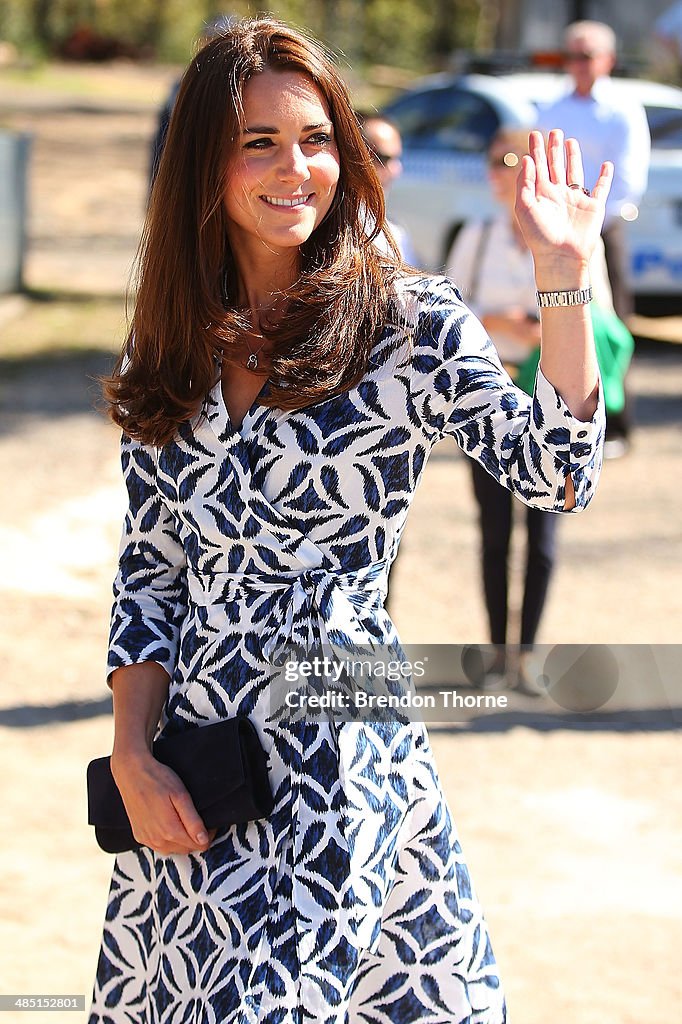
582 56
384 158
507 160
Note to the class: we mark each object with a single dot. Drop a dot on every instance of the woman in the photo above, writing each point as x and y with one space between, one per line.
265 517
493 267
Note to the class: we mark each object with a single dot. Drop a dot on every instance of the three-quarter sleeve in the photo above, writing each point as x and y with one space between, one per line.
460 389
150 589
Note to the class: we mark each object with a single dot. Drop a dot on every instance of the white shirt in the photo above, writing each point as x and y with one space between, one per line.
496 275
402 240
607 129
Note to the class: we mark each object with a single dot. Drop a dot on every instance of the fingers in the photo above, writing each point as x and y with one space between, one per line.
538 156
560 162
556 158
174 827
173 824
574 164
160 809
603 186
195 831
526 182
550 159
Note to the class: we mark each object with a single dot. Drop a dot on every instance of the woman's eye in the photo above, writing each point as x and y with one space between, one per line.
319 139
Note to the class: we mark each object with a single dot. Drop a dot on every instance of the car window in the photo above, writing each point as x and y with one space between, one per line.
445 119
665 125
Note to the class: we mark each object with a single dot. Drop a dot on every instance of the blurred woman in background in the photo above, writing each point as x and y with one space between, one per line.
491 264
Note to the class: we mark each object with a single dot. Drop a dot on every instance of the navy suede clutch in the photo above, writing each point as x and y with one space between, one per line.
223 766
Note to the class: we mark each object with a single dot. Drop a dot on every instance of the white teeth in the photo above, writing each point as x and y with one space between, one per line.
275 201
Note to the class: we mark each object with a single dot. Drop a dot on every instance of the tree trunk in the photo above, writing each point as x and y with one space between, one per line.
509 24
41 19
155 22
328 21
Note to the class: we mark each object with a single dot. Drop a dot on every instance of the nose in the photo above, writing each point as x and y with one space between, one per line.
395 167
293 164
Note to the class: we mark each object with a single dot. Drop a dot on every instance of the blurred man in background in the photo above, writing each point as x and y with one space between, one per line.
607 129
386 149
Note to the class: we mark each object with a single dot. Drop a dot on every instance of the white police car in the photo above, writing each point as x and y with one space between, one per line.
446 123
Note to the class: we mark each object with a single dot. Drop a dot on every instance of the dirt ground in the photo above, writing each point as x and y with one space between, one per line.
572 824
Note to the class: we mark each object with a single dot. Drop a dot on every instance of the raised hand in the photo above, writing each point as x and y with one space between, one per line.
560 218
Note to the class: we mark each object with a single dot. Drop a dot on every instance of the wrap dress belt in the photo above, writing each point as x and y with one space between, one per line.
321 607
307 609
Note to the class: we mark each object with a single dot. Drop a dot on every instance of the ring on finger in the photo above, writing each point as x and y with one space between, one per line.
575 184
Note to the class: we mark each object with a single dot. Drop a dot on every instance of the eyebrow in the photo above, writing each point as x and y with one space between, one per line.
265 130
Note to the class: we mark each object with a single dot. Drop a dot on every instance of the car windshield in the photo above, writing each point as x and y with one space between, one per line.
457 119
445 119
665 125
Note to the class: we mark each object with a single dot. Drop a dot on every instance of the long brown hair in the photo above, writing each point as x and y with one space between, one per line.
322 345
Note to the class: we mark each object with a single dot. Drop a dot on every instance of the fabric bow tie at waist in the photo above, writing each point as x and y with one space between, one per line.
306 610
317 608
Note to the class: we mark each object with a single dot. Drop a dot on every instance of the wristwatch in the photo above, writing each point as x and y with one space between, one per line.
578 297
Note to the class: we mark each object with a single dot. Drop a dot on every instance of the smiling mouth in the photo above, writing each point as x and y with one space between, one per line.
288 203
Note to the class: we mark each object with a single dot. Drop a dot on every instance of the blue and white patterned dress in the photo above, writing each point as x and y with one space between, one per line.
352 901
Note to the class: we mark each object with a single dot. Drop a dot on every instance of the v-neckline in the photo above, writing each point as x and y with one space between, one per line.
219 416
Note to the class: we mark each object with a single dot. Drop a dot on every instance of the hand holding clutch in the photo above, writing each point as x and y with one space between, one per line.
222 765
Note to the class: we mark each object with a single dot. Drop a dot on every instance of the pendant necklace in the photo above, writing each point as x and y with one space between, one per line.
252 361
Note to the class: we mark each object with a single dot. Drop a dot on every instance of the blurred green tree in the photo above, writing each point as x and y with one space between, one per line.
407 34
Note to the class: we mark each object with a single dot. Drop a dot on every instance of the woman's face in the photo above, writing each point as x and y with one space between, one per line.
504 164
283 176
